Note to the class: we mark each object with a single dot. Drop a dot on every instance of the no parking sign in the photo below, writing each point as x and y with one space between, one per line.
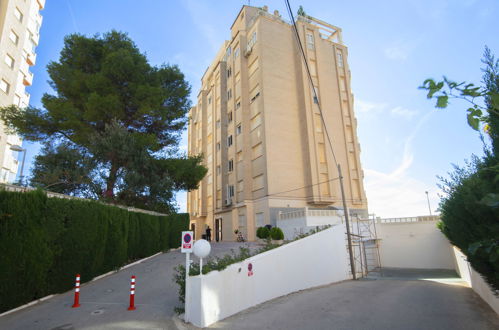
187 243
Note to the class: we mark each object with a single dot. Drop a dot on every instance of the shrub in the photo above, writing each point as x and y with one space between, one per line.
468 221
263 232
276 233
44 242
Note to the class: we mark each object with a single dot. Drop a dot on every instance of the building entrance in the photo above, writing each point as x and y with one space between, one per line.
218 229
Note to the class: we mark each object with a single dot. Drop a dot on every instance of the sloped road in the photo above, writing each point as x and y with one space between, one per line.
104 302
400 300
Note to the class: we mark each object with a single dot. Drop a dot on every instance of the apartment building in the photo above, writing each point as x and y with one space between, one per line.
20 22
259 129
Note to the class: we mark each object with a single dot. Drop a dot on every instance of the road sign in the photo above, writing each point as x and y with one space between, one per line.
187 242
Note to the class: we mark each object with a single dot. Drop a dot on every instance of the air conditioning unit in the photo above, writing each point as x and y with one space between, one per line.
248 51
228 201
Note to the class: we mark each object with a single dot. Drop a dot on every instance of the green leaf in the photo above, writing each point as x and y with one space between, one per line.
473 121
442 101
491 200
494 100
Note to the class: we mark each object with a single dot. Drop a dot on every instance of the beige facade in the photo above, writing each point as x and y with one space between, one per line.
260 132
20 22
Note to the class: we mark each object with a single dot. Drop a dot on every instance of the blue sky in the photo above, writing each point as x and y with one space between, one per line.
393 47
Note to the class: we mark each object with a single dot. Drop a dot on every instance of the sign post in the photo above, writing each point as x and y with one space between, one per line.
187 245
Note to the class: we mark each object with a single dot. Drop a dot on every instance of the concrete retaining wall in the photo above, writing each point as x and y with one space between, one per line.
316 260
414 245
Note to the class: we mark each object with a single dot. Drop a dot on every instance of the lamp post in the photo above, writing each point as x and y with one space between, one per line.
428 199
19 149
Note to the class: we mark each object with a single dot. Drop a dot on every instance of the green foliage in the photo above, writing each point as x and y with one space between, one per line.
64 169
469 216
262 232
46 241
301 11
276 233
115 120
488 95
470 208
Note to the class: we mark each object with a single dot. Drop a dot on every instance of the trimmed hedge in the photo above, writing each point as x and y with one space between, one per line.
45 241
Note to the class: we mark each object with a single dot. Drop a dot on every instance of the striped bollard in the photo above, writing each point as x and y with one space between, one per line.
132 294
77 292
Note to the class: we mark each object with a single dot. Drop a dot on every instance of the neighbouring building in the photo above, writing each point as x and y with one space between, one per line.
20 22
259 129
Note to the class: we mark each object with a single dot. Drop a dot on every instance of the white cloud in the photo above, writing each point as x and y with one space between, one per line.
404 112
392 196
397 53
366 106
181 201
397 194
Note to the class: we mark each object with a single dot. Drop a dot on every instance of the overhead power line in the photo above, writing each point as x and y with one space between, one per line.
309 75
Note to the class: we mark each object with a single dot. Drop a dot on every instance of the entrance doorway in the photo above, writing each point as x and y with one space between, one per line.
193 229
218 229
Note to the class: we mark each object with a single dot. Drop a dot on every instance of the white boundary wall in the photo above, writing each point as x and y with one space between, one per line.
474 280
414 245
316 260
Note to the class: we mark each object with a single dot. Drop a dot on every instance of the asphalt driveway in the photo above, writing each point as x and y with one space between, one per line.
399 299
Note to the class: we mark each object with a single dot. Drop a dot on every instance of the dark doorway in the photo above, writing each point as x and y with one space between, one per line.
218 230
193 229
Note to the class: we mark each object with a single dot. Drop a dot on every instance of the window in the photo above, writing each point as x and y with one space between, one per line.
236 53
229 72
9 61
209 100
255 97
238 129
229 94
252 40
238 105
340 58
255 121
17 100
310 40
230 191
218 170
18 15
229 141
218 146
229 116
231 165
13 37
4 86
228 51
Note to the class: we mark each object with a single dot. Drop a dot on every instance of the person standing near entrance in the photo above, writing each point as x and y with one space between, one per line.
208 234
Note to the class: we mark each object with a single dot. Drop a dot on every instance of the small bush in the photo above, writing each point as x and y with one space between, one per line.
276 233
263 232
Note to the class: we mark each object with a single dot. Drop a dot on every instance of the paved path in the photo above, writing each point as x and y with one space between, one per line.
399 300
104 302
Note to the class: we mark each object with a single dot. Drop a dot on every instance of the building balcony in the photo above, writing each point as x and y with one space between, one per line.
31 59
28 79
41 4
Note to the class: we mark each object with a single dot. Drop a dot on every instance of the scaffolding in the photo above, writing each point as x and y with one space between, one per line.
365 244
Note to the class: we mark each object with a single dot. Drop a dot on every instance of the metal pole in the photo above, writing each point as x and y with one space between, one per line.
347 220
428 198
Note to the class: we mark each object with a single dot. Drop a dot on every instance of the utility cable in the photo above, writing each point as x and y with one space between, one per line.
315 184
316 98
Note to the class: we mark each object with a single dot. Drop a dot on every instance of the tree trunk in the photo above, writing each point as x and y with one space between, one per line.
111 181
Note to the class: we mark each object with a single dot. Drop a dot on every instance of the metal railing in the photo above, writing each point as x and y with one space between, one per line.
410 219
306 213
